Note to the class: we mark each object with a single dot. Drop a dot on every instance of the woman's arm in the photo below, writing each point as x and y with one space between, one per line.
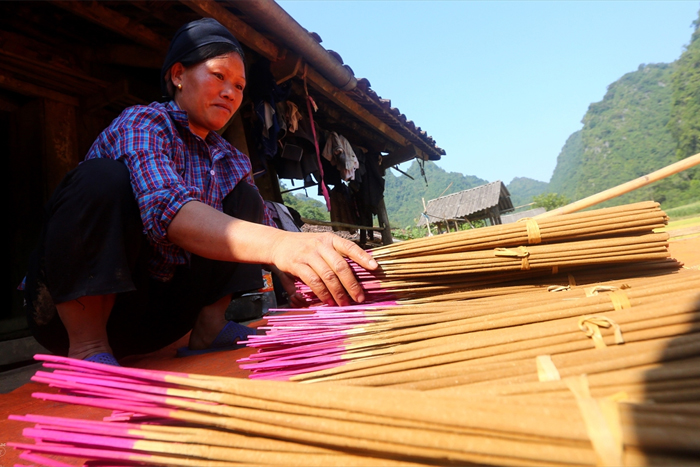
317 259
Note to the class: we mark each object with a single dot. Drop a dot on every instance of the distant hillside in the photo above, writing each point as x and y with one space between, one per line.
624 136
403 195
684 124
648 119
523 189
567 163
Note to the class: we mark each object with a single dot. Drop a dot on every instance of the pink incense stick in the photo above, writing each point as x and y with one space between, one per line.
112 404
73 451
41 460
284 375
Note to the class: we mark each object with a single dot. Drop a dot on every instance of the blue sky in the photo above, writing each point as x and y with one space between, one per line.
500 85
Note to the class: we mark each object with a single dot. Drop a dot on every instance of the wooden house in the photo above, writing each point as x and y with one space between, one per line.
68 68
486 202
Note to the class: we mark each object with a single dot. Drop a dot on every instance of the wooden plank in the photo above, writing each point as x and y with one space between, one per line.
110 19
116 93
7 105
30 64
61 142
244 33
341 225
130 55
28 89
383 218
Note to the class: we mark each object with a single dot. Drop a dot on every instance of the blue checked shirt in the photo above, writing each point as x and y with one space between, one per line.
169 167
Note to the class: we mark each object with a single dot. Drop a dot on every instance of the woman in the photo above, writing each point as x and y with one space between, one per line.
162 224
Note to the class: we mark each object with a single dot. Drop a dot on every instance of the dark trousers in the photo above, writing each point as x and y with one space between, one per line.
93 244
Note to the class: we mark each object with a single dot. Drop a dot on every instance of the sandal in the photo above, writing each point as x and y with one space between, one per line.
226 340
104 358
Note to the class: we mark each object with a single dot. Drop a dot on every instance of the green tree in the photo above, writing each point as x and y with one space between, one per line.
550 201
306 207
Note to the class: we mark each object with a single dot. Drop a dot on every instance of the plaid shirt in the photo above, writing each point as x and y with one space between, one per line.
169 167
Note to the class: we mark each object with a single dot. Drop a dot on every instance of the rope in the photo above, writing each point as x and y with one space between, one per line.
602 419
520 252
533 230
546 370
591 324
620 300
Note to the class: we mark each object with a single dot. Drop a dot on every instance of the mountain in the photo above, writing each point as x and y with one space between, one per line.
403 196
624 136
684 124
647 120
523 189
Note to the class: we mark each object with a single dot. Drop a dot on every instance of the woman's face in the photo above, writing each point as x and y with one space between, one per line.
211 91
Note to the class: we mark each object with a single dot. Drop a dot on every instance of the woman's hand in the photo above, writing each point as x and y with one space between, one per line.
319 261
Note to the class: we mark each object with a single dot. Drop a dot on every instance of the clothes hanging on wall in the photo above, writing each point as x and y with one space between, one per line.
338 151
265 93
297 159
292 116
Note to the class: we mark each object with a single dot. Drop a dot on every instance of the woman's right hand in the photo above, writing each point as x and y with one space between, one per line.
319 261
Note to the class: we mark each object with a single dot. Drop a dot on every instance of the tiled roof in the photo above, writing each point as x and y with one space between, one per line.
381 108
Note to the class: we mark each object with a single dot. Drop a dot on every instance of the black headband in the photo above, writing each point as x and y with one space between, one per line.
187 43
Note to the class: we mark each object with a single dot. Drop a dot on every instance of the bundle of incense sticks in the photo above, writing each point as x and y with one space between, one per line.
418 343
216 421
620 220
501 253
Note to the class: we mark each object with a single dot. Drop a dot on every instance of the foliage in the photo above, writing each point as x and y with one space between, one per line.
307 207
550 201
523 189
684 125
688 210
685 113
625 136
402 195
477 224
566 174
409 233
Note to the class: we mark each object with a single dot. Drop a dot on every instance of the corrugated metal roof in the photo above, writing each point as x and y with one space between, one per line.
465 203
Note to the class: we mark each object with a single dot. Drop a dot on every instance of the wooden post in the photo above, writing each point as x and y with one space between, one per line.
496 215
383 219
427 219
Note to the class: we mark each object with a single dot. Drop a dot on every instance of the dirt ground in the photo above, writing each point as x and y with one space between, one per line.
687 250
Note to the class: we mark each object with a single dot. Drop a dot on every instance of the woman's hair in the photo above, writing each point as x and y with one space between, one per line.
198 56
194 43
